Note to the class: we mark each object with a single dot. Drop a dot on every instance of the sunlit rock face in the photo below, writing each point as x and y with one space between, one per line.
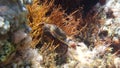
13 27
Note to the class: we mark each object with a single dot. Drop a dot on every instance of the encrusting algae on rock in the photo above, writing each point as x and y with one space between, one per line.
12 19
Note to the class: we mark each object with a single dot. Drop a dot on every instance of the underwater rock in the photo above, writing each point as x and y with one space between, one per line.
13 27
110 14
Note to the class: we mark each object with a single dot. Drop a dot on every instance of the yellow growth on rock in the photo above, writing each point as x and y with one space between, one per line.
36 16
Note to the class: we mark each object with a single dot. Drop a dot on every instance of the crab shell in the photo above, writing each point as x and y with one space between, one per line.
53 33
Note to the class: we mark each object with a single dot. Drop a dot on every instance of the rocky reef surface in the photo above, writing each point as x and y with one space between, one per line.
59 34
14 31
